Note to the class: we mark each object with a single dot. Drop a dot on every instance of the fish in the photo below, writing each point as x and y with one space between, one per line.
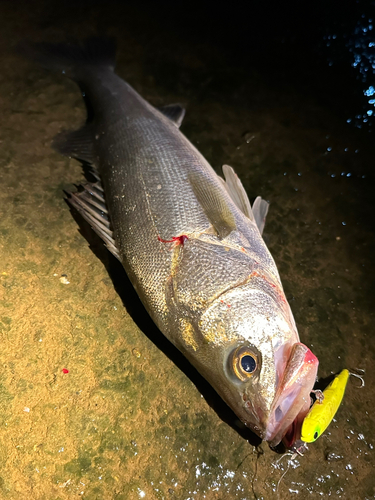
190 242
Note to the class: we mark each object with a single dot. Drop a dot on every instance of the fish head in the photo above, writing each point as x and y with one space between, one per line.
254 360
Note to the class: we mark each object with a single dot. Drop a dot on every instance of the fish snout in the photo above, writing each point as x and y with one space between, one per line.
293 392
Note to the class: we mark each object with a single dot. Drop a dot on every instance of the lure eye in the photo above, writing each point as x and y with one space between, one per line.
244 363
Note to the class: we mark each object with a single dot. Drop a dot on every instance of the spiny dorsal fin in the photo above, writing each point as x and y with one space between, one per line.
236 191
175 112
260 210
91 205
238 194
78 144
214 204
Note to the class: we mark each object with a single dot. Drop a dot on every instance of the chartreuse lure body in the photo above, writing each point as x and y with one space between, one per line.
322 413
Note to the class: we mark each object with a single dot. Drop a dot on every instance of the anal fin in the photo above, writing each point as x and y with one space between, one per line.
90 203
77 144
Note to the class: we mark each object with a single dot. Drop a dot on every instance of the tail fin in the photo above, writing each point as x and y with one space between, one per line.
71 58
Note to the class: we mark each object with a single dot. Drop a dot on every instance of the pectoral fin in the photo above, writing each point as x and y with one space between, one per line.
215 206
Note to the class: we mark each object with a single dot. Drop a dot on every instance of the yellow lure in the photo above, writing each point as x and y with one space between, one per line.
321 414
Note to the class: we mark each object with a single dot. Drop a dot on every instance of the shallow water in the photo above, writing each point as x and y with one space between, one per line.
131 419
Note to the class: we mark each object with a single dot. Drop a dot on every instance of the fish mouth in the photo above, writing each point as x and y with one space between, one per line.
292 400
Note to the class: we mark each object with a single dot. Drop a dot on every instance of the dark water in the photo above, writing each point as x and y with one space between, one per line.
283 95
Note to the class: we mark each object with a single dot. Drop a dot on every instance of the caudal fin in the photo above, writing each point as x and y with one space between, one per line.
72 58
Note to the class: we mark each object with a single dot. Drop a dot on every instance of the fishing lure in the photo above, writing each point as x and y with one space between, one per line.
322 413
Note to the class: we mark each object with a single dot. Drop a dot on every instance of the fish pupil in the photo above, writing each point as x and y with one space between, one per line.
316 434
248 364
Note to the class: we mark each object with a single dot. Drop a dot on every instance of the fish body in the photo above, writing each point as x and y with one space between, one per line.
190 243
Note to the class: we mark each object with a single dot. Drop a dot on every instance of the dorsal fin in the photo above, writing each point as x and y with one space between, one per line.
213 202
175 112
236 191
260 210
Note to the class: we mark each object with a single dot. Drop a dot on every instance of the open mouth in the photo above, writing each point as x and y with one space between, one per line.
292 400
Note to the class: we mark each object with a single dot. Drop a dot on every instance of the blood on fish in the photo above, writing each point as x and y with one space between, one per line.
222 301
177 240
255 273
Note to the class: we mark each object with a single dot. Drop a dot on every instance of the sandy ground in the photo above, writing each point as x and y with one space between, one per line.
131 419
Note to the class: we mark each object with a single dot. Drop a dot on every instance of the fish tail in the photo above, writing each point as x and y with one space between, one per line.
73 59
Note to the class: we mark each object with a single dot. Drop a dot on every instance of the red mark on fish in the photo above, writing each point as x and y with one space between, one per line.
277 288
65 370
177 240
222 301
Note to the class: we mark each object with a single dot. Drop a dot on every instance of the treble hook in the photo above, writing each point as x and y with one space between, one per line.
359 376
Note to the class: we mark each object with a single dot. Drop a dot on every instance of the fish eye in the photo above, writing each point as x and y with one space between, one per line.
244 362
248 363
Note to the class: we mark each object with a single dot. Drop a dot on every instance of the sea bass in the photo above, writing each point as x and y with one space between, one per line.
190 242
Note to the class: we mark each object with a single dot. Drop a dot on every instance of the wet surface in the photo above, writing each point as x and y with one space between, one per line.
94 403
